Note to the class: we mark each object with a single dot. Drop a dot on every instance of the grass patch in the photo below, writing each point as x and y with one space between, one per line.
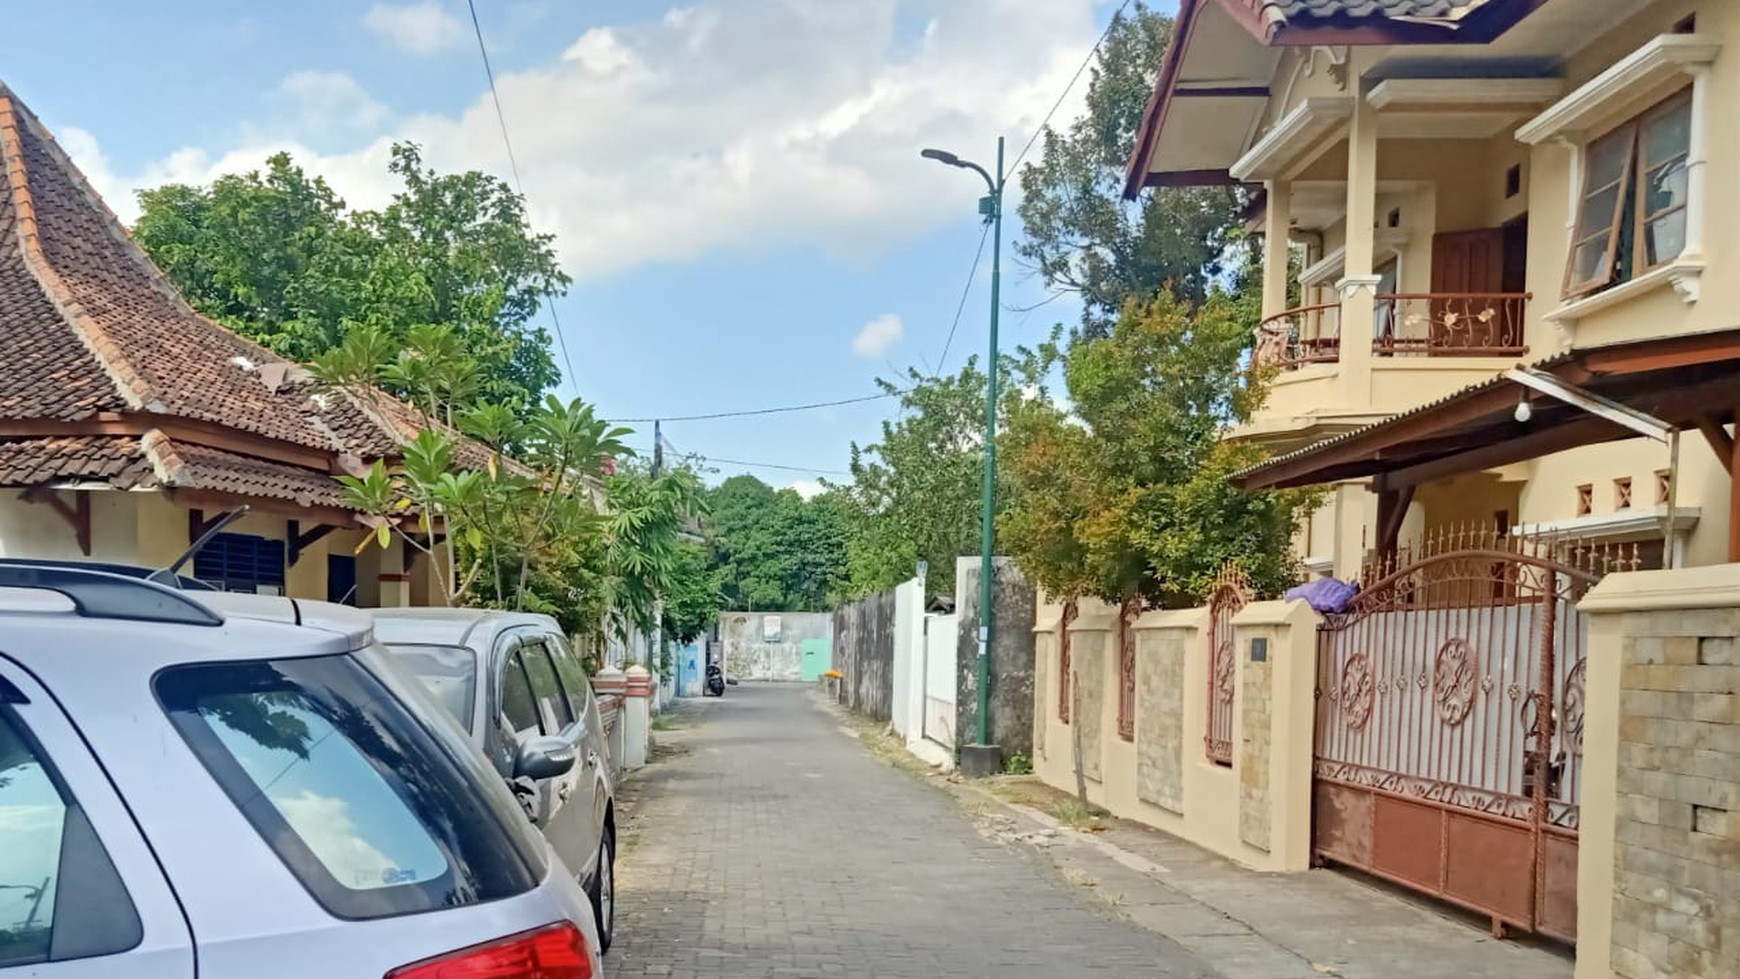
1018 764
666 722
1071 813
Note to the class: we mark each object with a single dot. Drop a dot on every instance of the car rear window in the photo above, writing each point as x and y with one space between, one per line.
367 809
449 673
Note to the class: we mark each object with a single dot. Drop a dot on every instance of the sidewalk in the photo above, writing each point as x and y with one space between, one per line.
1244 924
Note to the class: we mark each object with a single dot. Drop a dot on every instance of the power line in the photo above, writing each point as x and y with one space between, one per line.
755 411
966 290
775 465
519 187
1066 89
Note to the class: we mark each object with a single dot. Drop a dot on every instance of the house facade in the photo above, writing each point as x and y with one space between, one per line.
129 423
1447 190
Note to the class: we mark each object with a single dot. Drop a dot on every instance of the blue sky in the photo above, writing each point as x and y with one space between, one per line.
734 184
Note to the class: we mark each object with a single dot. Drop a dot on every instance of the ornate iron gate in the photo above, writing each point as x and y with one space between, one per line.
1230 595
1450 722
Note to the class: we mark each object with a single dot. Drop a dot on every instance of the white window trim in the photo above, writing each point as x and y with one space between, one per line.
1309 121
1622 526
1569 122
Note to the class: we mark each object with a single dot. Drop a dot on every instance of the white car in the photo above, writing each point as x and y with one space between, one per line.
252 786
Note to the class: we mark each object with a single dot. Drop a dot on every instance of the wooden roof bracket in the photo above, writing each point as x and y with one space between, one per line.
77 516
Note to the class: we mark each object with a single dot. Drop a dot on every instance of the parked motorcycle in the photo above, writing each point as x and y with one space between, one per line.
715 680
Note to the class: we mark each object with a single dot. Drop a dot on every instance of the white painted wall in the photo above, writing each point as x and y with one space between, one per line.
941 647
36 530
908 703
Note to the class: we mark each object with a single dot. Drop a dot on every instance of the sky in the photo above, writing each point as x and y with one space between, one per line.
734 185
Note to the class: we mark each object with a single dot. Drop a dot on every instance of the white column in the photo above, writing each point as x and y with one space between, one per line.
1357 288
1277 229
1697 162
636 716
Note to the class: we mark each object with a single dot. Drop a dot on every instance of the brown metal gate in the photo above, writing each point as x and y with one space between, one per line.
1447 689
1231 594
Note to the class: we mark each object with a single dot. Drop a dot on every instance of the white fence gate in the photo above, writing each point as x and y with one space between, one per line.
940 646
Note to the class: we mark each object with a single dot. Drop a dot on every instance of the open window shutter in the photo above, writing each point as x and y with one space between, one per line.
1594 249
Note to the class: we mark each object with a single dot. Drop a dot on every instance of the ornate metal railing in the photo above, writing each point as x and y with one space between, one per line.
1305 335
1450 324
1232 592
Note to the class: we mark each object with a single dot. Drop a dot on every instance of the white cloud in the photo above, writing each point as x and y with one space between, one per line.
730 125
877 336
324 102
809 489
420 28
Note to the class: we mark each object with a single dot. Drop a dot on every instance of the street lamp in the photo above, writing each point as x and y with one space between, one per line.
982 754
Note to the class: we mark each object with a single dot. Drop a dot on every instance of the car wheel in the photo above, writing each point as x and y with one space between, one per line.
604 892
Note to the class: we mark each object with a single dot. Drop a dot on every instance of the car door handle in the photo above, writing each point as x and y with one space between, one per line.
592 759
564 790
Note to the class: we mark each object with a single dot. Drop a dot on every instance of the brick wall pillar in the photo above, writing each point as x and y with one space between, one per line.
1275 659
636 716
1658 869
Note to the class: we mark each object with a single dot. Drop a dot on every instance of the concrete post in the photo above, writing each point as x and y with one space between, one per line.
1357 288
610 682
636 716
1277 231
395 581
1275 656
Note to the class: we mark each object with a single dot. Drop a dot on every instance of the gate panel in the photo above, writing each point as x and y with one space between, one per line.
1230 595
1449 726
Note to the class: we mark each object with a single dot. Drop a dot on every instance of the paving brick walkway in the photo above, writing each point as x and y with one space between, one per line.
774 846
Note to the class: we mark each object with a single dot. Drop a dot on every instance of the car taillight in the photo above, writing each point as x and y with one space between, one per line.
553 952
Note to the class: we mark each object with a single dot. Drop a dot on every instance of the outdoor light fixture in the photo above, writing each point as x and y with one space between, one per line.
941 156
1523 411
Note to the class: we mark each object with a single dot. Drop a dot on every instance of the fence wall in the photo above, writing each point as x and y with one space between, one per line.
775 645
864 654
1255 811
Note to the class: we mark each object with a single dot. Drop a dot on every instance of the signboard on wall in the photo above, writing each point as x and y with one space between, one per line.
770 628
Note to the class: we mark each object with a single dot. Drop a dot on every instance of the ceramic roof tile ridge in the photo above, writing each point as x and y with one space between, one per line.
132 388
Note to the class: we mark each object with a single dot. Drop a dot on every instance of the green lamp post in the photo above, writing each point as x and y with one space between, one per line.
991 206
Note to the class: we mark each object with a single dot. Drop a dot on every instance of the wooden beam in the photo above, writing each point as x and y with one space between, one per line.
1590 431
1667 352
1719 440
196 499
77 516
188 430
299 540
1392 511
1191 178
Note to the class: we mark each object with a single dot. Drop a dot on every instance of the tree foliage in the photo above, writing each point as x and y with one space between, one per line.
1080 234
1127 493
276 255
774 550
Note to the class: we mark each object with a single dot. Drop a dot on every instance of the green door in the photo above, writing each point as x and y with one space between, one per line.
818 657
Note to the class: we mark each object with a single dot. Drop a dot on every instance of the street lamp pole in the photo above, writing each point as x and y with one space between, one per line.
991 206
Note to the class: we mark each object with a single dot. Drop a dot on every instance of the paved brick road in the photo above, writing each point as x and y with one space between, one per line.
776 847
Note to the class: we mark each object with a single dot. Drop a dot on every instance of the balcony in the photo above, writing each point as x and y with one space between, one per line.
1448 324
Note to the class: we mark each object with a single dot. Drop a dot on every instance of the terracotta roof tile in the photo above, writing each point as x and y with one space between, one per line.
37 461
1294 11
183 465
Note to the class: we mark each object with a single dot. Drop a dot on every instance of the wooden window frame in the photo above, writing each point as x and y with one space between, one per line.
1631 187
1585 499
1622 493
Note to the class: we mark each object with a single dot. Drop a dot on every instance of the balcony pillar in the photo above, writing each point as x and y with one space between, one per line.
1277 256
1357 288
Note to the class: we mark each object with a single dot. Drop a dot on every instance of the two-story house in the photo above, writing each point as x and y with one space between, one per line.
1475 185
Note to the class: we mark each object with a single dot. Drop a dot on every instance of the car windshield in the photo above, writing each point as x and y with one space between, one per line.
448 672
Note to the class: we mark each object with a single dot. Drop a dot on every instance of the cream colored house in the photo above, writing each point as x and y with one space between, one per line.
1513 350
1474 184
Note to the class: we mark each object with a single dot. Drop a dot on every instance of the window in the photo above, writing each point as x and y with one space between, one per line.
553 707
518 707
1585 500
1513 181
1633 213
362 804
571 673
1622 493
1663 485
447 672
43 836
241 562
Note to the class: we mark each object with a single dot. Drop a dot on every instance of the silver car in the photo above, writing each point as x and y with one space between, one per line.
515 685
246 786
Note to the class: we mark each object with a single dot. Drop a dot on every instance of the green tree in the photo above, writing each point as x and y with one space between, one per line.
693 598
774 549
1079 232
1126 495
276 255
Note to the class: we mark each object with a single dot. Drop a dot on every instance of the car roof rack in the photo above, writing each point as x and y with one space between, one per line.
159 575
101 595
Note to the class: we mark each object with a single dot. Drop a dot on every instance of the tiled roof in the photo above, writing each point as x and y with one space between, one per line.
88 326
38 461
181 465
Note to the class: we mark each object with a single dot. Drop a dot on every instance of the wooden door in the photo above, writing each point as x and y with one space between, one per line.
1467 263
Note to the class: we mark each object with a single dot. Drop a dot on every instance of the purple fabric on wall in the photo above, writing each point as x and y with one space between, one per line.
1327 595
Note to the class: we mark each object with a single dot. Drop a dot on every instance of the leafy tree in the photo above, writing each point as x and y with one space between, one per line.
277 256
775 550
1080 234
1127 495
693 597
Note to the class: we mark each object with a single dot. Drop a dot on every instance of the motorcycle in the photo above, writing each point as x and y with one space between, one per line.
715 680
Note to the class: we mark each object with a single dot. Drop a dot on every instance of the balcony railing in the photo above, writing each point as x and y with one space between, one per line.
1438 324
1450 324
1307 335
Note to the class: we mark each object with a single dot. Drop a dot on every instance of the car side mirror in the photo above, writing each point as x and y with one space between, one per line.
541 758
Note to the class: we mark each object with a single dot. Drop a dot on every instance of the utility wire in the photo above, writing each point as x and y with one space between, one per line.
966 291
754 411
754 465
519 187
1066 89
